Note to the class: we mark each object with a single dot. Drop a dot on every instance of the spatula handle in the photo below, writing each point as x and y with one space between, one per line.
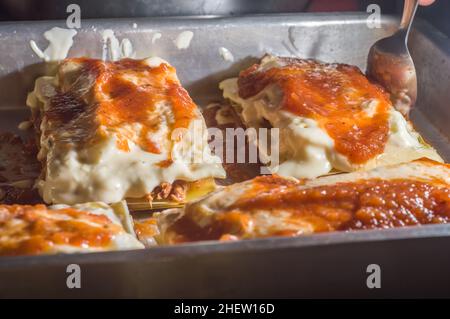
409 11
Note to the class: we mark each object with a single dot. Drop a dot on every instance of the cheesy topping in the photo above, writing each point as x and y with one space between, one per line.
31 230
416 193
330 116
111 130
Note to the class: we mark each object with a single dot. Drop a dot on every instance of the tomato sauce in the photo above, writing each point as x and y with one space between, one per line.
333 95
36 229
364 204
122 98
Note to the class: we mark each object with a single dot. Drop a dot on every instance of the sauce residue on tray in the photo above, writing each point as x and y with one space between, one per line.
26 230
121 97
335 95
364 204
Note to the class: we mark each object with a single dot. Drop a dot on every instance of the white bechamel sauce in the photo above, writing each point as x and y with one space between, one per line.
60 41
156 36
102 172
226 54
105 173
306 149
111 45
155 61
113 48
183 40
37 50
304 146
402 133
126 48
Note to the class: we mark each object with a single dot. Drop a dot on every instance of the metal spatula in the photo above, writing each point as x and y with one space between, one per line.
390 64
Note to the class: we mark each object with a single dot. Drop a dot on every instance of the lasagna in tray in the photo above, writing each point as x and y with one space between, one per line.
330 117
90 227
409 194
114 130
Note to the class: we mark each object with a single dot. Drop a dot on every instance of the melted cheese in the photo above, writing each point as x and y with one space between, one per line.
306 148
87 227
109 131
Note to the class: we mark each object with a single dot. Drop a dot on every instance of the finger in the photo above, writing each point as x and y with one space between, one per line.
426 2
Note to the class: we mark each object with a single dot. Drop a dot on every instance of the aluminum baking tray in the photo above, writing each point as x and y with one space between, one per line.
414 261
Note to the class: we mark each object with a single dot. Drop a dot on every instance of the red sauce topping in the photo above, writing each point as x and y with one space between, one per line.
35 229
366 204
121 97
332 95
363 204
146 228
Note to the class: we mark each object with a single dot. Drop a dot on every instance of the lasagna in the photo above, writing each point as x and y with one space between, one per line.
90 227
330 117
408 194
114 130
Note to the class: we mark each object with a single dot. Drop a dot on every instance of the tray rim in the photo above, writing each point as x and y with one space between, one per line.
191 250
351 15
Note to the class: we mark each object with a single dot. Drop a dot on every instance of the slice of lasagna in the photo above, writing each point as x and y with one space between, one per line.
410 194
329 116
91 227
115 130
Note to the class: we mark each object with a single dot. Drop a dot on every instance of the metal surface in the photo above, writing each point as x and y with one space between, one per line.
56 9
390 63
320 265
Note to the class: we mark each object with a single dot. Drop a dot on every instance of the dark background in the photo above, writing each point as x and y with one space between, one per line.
12 10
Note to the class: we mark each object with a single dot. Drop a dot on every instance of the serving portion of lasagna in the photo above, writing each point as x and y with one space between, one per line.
330 117
91 227
409 194
115 130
